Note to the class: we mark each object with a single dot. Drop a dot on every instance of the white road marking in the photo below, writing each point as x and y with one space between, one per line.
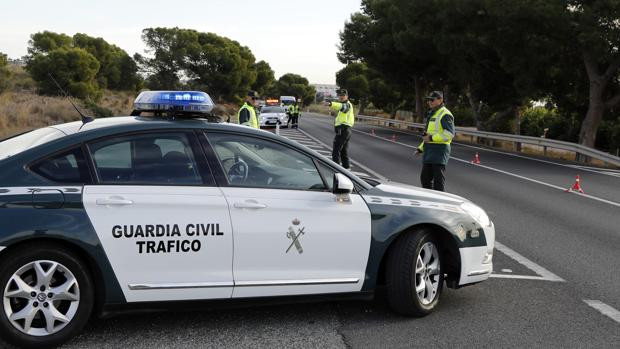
604 309
544 273
507 173
540 182
585 168
506 270
373 173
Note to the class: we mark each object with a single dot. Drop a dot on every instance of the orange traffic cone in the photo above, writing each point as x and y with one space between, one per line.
393 137
476 159
372 132
576 186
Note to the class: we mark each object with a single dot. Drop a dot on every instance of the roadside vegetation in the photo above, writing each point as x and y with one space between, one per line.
104 80
504 66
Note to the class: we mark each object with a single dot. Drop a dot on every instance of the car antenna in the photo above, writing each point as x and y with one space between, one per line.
85 118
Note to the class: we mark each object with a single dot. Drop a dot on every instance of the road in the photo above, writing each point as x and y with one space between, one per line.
556 279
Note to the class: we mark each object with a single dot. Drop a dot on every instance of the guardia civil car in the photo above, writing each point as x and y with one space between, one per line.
149 211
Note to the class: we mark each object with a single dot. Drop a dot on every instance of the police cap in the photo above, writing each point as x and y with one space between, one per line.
341 92
253 94
434 95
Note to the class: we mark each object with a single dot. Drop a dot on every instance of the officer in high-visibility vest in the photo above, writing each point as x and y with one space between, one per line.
295 113
342 125
435 145
247 113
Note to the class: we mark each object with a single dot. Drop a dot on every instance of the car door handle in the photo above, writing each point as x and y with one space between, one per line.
114 201
249 204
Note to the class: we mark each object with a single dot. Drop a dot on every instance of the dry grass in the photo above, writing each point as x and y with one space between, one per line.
23 111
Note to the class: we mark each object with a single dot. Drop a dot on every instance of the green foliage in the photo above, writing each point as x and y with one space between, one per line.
45 42
4 72
118 71
354 78
296 85
73 68
264 77
72 61
495 56
97 110
212 63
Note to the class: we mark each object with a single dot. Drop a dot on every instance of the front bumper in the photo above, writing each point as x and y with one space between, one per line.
477 262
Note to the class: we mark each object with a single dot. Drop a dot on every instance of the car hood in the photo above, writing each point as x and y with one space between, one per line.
404 191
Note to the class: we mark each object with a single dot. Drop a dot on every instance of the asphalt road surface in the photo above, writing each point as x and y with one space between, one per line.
556 280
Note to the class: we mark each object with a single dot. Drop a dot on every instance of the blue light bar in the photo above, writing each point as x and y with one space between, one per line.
177 101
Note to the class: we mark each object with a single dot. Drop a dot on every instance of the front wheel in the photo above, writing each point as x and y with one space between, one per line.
47 296
414 276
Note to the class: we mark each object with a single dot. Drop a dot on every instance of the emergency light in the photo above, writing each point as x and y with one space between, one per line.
173 102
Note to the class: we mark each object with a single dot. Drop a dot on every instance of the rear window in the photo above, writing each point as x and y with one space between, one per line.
18 144
265 110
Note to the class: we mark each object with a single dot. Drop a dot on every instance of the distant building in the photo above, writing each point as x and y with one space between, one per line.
326 90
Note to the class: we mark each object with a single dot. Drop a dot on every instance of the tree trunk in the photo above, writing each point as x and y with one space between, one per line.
363 104
589 126
419 108
475 107
596 104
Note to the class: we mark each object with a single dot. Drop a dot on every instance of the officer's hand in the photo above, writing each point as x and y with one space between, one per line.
327 104
427 138
417 152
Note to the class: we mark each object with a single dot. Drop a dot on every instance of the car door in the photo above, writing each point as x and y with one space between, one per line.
164 225
291 234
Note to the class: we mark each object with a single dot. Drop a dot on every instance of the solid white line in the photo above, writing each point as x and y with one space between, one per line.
585 168
544 273
520 277
506 173
540 182
373 173
604 309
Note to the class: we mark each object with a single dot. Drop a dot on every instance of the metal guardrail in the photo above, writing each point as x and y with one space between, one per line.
578 149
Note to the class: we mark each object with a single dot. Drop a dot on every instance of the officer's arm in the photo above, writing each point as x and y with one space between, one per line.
336 105
244 117
447 123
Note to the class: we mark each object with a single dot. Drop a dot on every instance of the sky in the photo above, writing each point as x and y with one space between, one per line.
293 36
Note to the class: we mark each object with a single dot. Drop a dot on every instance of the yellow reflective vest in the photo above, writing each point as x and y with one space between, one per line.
437 132
253 122
346 117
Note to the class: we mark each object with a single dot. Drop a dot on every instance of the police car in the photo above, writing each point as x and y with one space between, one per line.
149 211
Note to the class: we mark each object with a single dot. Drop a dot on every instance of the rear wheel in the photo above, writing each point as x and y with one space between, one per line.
47 296
414 275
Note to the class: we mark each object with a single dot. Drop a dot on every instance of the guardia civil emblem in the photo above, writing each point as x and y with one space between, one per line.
294 233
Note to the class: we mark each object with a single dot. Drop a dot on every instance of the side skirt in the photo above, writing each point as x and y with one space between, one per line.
111 310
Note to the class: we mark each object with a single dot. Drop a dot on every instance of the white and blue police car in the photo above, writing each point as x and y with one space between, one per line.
164 208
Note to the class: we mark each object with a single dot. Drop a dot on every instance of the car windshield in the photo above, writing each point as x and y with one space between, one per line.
272 110
25 141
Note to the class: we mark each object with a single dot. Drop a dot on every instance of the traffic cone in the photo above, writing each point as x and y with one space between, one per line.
476 159
393 137
576 186
372 132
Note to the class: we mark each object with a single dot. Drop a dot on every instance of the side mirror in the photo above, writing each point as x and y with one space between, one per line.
342 184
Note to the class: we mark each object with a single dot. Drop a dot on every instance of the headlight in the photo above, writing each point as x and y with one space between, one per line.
477 213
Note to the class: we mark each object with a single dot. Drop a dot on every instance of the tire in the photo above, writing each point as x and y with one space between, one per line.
73 298
412 251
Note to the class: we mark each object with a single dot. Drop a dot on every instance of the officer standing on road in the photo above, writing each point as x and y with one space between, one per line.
435 145
295 112
342 125
247 112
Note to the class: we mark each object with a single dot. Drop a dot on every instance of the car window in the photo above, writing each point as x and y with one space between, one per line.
154 159
68 167
254 162
328 174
